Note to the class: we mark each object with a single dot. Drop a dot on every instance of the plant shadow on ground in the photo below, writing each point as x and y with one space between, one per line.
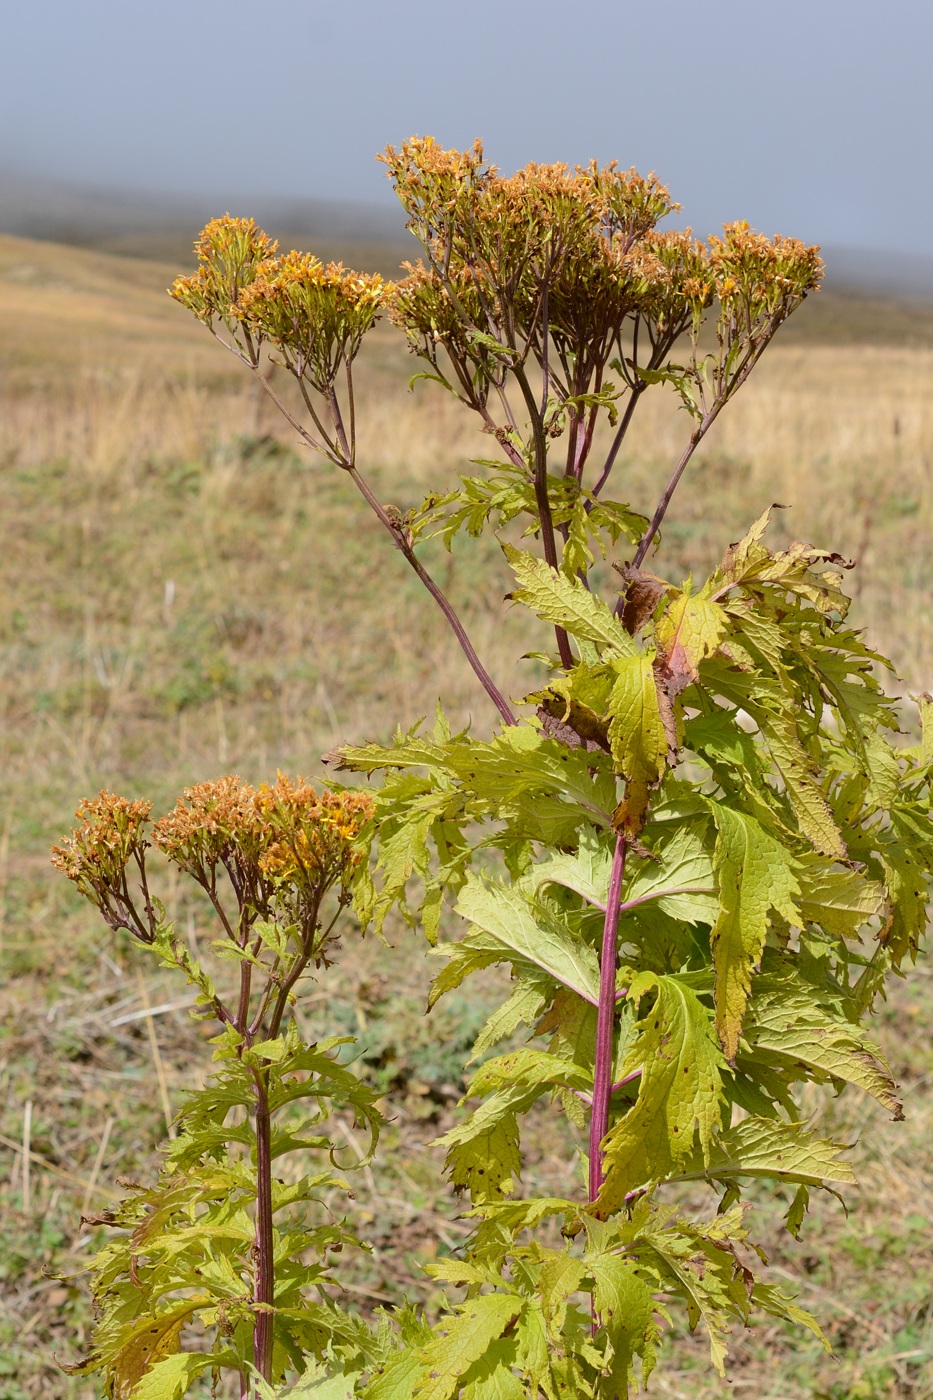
184 596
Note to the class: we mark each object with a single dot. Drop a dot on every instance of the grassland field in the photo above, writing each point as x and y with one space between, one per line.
184 594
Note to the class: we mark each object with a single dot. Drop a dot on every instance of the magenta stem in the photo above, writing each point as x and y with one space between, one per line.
605 1019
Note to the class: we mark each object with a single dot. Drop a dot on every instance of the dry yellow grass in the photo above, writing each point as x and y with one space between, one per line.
183 593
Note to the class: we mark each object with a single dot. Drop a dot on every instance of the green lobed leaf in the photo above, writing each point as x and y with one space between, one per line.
795 1031
680 877
566 602
466 1335
637 734
523 926
171 1377
769 1147
799 773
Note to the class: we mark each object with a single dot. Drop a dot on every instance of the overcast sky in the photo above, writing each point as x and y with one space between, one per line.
808 117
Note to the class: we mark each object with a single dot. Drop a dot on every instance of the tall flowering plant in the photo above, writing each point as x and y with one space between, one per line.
699 845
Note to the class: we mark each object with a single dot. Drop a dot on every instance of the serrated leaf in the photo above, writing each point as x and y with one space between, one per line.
796 570
772 1300
341 1385
523 1008
755 875
705 1270
170 1378
566 602
925 705
907 912
798 771
679 1091
799 1206
468 1335
397 1379
529 929
689 630
770 1147
526 1066
487 1162
561 1275
840 901
799 1033
586 870
492 1377
626 1308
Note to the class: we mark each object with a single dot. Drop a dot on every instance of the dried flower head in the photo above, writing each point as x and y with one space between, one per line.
630 205
435 186
96 854
213 824
758 277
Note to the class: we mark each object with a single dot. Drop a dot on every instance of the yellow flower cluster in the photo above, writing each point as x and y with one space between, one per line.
280 843
756 275
316 315
309 836
231 253
581 243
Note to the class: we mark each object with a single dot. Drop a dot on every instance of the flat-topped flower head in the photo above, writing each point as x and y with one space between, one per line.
434 185
231 254
758 276
212 823
313 839
629 204
316 315
112 831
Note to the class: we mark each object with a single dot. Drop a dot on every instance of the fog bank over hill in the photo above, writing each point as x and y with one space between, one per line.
163 227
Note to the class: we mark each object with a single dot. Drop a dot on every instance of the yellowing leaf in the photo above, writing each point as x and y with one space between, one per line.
679 1093
795 766
755 875
925 703
794 1030
680 878
638 736
467 1336
487 1163
689 631
840 901
797 569
492 1376
171 1377
770 1147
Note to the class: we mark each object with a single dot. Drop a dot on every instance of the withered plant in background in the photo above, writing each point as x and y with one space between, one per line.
696 843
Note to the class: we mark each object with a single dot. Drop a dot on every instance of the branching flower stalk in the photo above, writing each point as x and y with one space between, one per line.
284 853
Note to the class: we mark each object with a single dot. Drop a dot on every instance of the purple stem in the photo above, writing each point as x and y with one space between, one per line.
605 1018
264 1288
621 1083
